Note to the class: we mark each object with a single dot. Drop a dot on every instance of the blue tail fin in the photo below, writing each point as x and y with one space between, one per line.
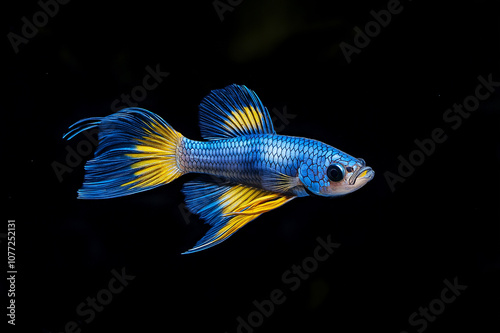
136 152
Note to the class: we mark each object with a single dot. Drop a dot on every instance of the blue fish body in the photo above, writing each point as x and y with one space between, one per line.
247 169
251 159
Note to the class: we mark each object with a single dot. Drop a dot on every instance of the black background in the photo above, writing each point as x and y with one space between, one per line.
397 247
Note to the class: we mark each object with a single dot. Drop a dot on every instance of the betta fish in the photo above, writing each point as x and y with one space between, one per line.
246 168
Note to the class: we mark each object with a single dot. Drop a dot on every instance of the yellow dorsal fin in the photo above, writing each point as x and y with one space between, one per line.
233 111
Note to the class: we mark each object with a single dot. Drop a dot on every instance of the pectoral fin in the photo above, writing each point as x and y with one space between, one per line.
276 181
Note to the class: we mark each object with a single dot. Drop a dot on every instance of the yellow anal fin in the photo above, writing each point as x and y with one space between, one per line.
248 211
261 205
237 206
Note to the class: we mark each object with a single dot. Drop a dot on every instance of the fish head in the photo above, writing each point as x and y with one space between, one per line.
337 177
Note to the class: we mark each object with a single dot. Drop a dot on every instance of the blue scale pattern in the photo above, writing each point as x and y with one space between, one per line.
248 159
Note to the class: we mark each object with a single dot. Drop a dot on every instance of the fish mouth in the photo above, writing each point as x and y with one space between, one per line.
364 173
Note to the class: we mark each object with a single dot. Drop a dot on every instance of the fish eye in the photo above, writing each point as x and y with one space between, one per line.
335 172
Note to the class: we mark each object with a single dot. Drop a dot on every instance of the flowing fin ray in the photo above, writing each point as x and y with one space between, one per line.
227 207
233 111
136 152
